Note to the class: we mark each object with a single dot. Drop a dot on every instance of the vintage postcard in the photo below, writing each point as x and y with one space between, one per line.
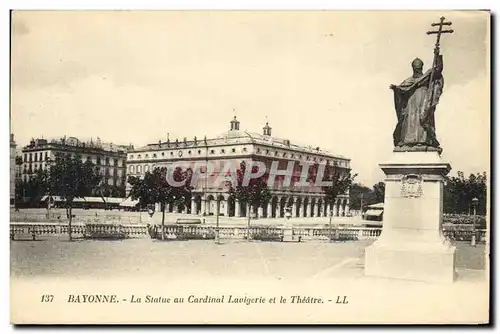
250 167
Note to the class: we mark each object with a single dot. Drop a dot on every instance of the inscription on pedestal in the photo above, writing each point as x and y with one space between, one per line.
411 186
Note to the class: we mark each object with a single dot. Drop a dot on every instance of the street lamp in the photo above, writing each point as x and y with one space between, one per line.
217 212
475 201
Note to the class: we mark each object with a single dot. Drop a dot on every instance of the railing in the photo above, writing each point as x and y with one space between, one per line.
80 230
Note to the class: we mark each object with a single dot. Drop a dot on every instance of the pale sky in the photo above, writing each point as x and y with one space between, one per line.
321 77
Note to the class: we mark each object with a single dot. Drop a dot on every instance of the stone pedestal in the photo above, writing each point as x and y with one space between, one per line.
288 234
412 245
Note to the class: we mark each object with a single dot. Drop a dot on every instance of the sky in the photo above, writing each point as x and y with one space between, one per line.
321 78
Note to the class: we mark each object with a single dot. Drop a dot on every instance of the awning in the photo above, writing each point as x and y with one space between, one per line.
376 213
93 200
113 200
129 202
376 206
54 198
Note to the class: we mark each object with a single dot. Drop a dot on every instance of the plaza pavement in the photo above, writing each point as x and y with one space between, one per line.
182 268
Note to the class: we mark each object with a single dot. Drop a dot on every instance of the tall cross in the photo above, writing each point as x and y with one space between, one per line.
439 32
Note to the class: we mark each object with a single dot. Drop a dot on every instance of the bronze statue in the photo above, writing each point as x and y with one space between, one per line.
415 100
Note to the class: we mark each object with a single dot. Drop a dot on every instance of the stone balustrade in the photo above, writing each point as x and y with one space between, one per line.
27 230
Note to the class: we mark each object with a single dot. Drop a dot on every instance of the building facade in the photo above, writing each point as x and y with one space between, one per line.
109 158
234 147
12 169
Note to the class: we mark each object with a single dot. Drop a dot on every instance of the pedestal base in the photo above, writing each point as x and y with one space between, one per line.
412 245
434 264
288 235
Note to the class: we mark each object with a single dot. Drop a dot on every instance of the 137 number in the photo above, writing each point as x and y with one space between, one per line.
47 298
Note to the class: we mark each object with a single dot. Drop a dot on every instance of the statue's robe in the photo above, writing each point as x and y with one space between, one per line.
415 107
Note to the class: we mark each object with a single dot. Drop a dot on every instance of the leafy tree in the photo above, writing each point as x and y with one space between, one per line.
340 183
35 187
379 192
155 188
357 191
253 195
69 178
459 192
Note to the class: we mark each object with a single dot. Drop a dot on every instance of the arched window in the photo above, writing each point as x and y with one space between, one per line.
139 169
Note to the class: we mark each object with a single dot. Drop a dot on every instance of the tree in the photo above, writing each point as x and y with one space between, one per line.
379 192
459 192
357 191
253 195
340 183
156 188
69 178
36 186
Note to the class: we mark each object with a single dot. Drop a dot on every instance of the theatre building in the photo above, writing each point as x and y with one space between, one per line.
233 147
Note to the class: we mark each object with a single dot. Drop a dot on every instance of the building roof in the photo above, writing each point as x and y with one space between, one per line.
74 143
239 137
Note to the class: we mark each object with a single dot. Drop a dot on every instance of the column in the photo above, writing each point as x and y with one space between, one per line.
203 206
321 209
269 209
309 208
318 209
301 210
278 208
237 208
347 208
260 212
193 206
328 209
225 209
336 208
294 208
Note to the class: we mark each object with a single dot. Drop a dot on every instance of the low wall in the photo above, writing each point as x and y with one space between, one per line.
27 230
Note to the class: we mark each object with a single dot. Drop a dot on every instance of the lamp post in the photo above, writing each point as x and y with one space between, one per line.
48 162
330 223
361 207
475 201
217 212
